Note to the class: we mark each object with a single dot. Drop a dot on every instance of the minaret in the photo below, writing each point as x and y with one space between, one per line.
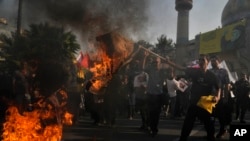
183 7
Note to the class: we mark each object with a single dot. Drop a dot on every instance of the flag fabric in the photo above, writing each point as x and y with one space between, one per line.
83 60
206 103
193 64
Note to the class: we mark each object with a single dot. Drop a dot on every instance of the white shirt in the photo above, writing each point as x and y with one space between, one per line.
142 82
172 86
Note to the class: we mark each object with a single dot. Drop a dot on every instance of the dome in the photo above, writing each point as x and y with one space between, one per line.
234 11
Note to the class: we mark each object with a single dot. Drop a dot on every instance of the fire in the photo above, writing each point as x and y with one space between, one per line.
45 123
101 71
112 50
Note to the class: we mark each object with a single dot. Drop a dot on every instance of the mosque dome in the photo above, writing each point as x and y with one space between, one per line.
234 11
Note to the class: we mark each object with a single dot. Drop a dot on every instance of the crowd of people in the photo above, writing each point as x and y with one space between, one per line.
148 89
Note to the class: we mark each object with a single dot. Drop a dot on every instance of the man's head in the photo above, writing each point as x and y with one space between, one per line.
155 63
203 61
215 61
243 75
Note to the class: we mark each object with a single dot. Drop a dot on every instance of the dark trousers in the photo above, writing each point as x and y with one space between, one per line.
193 113
223 112
141 104
241 108
154 105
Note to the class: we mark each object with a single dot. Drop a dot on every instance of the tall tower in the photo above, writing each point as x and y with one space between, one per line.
183 7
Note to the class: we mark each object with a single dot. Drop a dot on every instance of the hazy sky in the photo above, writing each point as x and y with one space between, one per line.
160 14
204 16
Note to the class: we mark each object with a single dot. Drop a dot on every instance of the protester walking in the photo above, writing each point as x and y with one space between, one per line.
172 86
140 85
204 83
242 89
223 110
154 92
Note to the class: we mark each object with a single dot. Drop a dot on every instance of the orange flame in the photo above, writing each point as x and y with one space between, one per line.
101 71
105 65
40 124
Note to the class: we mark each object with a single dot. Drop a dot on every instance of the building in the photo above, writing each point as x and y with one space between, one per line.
231 42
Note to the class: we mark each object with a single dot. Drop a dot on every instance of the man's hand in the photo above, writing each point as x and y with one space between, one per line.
146 53
215 99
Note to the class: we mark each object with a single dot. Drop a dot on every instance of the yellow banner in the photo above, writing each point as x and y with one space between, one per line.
210 42
220 40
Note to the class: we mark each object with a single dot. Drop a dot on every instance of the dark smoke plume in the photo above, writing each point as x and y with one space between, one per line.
90 17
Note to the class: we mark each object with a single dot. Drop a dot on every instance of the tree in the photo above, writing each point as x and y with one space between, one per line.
164 45
51 47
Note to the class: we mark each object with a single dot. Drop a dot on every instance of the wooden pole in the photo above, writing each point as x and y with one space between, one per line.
153 53
19 17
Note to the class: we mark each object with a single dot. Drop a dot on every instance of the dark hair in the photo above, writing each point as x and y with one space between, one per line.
214 57
203 56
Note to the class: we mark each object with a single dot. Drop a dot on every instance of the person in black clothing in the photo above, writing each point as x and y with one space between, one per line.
21 87
90 102
204 83
154 91
242 89
111 99
223 110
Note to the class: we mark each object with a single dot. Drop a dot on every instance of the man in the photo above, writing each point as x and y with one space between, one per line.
222 111
21 87
140 85
242 89
155 92
173 86
204 83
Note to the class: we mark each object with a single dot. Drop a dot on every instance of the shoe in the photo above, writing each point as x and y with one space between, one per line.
211 138
142 128
243 121
153 133
221 134
182 139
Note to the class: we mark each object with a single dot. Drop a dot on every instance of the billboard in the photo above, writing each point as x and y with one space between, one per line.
224 39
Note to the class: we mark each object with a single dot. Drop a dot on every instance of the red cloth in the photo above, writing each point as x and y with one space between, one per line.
83 60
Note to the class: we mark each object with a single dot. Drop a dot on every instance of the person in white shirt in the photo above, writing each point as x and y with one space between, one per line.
173 85
140 84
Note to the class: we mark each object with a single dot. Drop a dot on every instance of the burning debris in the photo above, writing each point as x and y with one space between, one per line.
113 52
44 123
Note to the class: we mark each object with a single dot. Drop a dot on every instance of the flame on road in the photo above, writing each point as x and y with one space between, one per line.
41 124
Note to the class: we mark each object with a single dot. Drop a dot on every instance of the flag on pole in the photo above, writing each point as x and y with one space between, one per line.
83 60
193 64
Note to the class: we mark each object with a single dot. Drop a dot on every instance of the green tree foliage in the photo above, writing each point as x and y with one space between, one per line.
164 45
52 48
144 44
42 42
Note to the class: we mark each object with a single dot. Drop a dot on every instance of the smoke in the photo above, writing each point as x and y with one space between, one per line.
8 10
89 17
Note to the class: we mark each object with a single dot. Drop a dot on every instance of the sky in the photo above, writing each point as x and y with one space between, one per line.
203 17
145 19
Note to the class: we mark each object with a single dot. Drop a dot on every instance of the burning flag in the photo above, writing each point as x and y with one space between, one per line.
112 52
83 60
193 64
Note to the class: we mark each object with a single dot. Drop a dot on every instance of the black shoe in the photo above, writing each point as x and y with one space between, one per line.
221 134
182 139
153 133
243 121
211 138
142 128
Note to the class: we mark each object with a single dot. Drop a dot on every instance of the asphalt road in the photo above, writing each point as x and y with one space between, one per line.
128 130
